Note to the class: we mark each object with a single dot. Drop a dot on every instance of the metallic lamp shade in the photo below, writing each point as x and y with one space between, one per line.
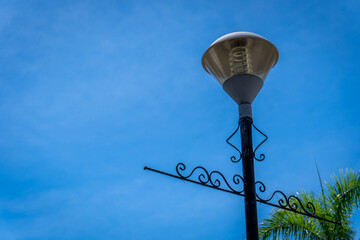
240 62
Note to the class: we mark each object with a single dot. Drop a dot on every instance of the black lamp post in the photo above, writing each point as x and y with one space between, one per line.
240 62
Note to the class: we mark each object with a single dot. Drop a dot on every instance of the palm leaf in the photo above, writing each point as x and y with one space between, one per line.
337 202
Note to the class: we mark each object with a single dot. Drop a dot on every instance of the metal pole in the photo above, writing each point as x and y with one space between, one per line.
249 178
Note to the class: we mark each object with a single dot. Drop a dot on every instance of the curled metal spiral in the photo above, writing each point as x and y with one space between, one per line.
291 202
213 179
233 158
262 156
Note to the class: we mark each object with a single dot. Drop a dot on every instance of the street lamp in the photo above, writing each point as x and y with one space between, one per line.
240 62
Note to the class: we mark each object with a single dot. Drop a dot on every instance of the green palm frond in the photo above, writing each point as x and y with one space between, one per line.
337 203
343 197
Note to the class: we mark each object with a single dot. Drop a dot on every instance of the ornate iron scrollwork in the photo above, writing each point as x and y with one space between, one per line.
212 179
262 156
215 179
291 202
233 158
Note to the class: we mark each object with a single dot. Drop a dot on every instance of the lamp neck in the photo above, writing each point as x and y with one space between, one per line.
245 110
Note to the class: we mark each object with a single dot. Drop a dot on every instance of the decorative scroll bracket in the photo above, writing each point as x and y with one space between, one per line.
214 180
233 158
260 158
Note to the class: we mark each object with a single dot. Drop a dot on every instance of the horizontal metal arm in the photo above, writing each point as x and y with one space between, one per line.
206 180
189 180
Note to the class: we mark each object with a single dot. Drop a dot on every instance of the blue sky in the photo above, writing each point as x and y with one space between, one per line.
91 91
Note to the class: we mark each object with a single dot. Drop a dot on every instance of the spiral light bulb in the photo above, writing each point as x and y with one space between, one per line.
239 60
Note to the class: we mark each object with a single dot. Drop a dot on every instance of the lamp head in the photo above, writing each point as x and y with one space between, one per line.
240 62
